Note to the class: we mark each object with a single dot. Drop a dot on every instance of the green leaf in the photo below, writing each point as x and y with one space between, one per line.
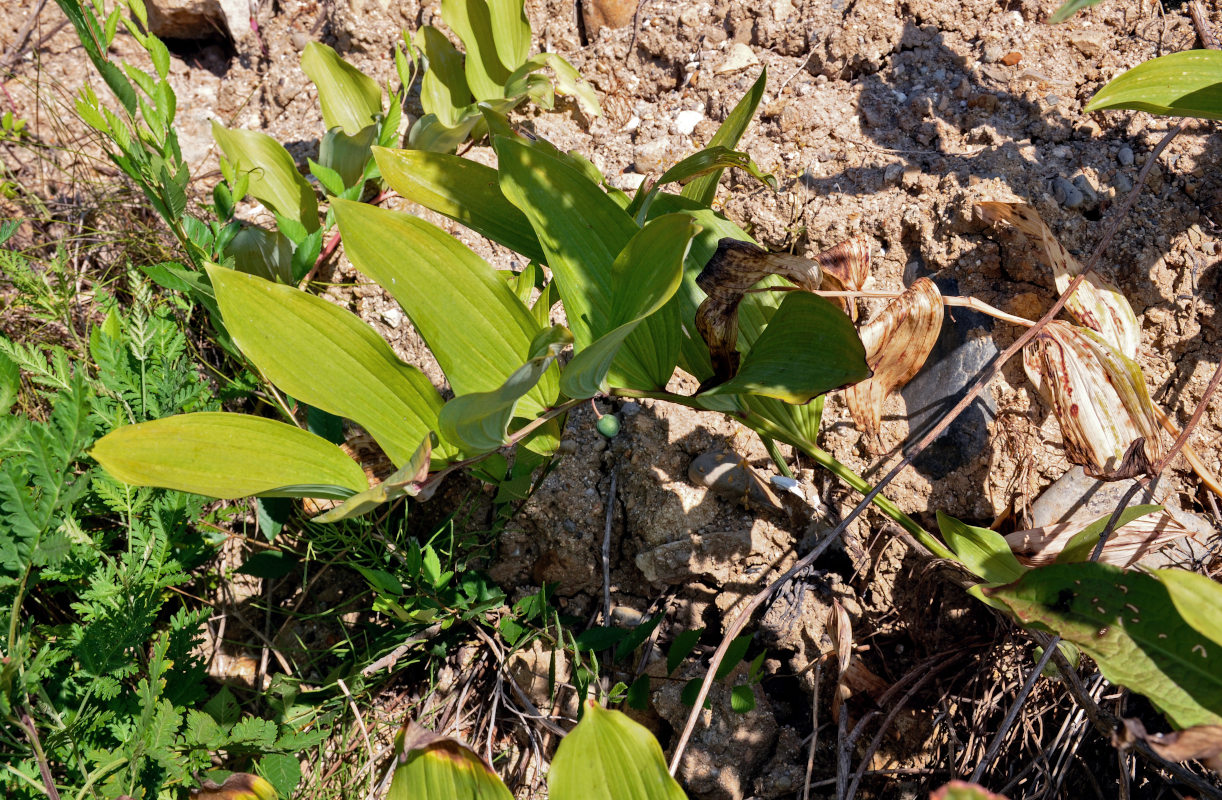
1083 543
809 348
463 190
443 87
981 550
10 383
1070 8
257 251
282 771
269 564
1197 598
479 421
704 188
708 160
681 648
637 636
228 456
1183 84
644 277
347 155
610 757
1129 624
960 790
568 83
350 99
734 654
405 482
742 698
327 357
433 767
582 231
491 47
476 327
274 179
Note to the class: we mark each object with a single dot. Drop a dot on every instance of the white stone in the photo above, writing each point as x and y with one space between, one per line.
686 121
740 56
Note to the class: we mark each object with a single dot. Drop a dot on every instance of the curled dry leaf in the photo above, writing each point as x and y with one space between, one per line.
734 268
1200 742
1127 545
846 267
842 638
1099 396
1097 304
897 343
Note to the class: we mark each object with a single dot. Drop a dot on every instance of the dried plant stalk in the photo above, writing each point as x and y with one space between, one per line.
897 343
1125 547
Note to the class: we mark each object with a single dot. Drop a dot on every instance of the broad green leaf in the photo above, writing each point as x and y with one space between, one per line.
568 83
1197 598
608 756
510 31
479 421
258 251
327 357
350 99
960 790
346 154
644 277
432 135
582 230
809 348
405 482
1129 624
472 21
443 87
710 159
983 551
1083 543
434 767
477 328
228 456
463 190
274 179
704 188
1183 84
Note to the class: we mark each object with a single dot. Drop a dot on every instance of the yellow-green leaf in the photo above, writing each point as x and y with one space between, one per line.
610 757
1183 84
327 357
433 767
274 179
350 99
228 456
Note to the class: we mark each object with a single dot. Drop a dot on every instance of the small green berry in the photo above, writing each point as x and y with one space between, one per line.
608 425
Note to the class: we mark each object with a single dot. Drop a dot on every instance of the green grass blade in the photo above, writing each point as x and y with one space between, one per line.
704 188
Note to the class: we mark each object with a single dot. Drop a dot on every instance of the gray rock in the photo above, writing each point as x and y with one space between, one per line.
957 358
992 53
1077 496
1122 183
1125 156
1083 185
1066 193
729 477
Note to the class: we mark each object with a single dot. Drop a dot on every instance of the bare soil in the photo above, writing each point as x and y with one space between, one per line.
881 118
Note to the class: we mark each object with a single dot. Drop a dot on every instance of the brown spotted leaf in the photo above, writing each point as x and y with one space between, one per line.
1099 397
846 267
734 268
1097 304
1129 543
897 343
1200 742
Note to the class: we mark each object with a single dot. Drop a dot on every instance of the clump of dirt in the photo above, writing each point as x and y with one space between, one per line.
883 119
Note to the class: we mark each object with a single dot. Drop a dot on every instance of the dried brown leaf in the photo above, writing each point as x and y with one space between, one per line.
1127 545
1099 397
1097 304
842 638
1200 742
846 267
897 343
734 268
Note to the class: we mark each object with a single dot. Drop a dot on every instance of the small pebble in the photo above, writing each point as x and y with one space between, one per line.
893 172
1083 185
686 121
1122 183
1066 193
1011 58
630 408
1125 156
992 52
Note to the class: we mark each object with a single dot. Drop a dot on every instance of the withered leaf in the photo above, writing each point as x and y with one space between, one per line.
897 343
238 786
1200 742
734 268
1097 304
846 267
1099 397
1127 545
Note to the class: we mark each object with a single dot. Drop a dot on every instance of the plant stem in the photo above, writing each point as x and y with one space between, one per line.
774 453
